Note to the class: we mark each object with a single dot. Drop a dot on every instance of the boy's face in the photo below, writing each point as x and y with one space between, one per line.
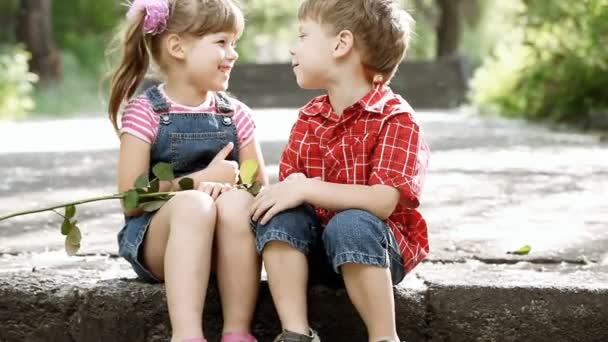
311 56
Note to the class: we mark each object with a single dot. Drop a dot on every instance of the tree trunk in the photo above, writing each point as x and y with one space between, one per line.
35 30
448 29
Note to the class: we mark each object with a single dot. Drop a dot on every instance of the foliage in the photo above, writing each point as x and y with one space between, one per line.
58 98
16 82
270 28
83 28
144 195
554 66
523 250
484 27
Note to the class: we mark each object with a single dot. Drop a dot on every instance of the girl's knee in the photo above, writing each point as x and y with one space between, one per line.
234 202
193 205
233 211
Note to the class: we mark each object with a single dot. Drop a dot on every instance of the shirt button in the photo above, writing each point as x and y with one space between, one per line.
227 120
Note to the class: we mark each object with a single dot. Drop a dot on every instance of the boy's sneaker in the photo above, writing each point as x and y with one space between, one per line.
290 336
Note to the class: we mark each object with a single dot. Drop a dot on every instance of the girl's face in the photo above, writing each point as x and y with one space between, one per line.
209 60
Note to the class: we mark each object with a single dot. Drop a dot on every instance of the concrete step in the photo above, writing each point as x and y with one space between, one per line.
96 298
500 186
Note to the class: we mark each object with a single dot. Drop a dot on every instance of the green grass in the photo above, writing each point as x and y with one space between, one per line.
78 93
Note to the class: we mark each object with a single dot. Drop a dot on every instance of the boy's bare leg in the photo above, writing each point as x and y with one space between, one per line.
238 263
371 291
287 270
177 249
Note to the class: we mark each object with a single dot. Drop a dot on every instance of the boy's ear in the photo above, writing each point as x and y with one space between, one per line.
345 42
175 46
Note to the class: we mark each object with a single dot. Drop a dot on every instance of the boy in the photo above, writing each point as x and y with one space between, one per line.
351 173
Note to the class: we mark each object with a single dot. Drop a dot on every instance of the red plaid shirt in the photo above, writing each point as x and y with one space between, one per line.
375 141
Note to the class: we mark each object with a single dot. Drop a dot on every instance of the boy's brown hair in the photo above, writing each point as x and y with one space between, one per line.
381 29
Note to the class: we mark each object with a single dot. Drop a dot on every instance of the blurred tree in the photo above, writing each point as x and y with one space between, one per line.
449 28
448 19
271 26
34 29
83 29
8 18
552 64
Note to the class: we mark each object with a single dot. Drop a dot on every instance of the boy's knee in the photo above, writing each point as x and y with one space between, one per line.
293 227
352 225
353 235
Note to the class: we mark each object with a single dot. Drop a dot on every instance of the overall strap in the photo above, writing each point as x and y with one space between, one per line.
222 103
157 100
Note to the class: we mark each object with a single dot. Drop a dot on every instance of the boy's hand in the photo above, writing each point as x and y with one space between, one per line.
277 198
294 176
297 176
221 170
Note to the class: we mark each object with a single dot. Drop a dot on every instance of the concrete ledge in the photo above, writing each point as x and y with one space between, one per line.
419 82
452 302
475 301
274 85
42 309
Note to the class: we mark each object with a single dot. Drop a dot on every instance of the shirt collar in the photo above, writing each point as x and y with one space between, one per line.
372 102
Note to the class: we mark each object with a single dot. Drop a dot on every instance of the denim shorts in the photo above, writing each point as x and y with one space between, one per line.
130 239
351 236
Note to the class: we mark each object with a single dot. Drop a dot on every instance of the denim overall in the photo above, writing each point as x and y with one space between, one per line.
188 141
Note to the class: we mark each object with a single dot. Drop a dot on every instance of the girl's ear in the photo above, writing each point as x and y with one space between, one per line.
344 43
175 46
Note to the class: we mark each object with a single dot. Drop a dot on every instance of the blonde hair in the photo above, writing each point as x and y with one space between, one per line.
140 49
381 29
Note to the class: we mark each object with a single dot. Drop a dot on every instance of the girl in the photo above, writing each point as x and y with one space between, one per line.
203 133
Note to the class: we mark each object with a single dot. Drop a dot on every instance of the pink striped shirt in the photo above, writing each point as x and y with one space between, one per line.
140 120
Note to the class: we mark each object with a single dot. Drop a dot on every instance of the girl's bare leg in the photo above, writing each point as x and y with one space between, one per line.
177 249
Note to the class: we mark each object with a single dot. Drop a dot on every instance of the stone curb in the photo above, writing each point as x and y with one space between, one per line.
469 301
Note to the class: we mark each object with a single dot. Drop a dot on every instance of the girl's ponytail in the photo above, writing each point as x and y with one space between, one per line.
141 41
132 69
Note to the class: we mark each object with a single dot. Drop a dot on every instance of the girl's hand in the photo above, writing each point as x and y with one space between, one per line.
221 170
214 189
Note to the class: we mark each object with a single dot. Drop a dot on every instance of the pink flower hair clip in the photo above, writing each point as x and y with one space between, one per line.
156 11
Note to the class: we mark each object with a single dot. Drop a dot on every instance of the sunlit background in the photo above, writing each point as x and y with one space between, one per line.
536 59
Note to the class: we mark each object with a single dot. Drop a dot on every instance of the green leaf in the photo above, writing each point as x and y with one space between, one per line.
142 181
66 226
131 200
186 183
72 241
165 197
163 171
255 188
70 211
152 206
524 250
154 185
249 171
75 236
